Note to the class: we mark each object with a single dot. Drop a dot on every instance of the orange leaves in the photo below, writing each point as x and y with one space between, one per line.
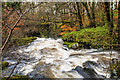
115 11
10 17
115 17
63 26
67 28
62 33
17 29
20 23
6 11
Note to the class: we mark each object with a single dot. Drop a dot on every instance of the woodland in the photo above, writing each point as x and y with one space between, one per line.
88 25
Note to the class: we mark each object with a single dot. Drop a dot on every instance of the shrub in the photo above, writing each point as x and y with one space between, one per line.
95 37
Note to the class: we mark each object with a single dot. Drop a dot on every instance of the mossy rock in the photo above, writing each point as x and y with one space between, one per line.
4 65
70 44
18 77
22 41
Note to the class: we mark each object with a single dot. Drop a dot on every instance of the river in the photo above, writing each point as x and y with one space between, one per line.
49 58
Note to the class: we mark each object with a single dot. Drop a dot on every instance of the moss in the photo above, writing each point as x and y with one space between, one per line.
4 65
43 36
18 77
22 41
93 37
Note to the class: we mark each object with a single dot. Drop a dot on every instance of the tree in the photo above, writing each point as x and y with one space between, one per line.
107 11
79 15
93 15
112 24
88 12
13 27
16 23
109 18
119 22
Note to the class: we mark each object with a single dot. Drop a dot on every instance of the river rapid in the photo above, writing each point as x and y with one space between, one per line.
49 58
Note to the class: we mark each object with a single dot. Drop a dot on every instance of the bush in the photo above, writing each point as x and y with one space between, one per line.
94 37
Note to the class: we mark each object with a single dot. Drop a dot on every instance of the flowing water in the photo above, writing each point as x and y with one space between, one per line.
49 58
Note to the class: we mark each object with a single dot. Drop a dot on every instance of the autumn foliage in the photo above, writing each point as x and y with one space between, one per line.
10 17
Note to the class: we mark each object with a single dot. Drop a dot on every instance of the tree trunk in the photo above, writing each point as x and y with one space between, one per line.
112 25
119 22
93 14
79 15
107 12
88 13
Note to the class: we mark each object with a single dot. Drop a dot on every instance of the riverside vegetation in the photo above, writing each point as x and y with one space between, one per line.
91 38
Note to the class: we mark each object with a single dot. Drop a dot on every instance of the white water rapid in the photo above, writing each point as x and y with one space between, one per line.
49 58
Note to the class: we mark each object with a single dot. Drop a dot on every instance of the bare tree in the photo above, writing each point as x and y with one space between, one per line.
18 20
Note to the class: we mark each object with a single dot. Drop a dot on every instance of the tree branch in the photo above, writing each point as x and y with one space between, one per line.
33 19
20 17
13 70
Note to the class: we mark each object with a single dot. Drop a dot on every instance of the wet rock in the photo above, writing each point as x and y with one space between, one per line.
65 47
73 74
81 71
60 41
90 64
35 74
75 46
88 70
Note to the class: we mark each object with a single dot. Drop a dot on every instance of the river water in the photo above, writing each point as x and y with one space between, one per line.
49 58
